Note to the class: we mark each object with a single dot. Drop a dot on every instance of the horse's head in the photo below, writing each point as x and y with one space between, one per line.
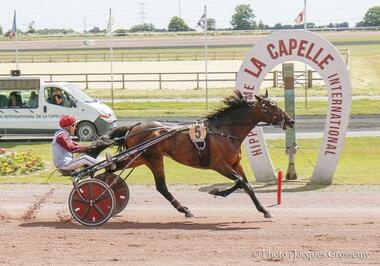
272 114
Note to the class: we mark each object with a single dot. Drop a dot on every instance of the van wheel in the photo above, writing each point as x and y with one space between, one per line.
86 131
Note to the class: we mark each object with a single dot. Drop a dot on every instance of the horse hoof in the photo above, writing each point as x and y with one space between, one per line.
189 215
214 191
267 215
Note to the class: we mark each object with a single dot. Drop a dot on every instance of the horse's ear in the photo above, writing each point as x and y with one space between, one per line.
266 94
258 98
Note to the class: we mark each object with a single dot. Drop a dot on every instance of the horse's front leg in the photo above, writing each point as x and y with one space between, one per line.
249 190
156 165
229 172
226 192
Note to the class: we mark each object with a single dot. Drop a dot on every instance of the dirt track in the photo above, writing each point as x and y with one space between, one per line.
333 225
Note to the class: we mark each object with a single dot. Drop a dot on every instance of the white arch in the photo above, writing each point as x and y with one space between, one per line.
314 50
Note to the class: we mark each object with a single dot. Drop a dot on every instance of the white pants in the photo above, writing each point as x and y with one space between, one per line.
79 162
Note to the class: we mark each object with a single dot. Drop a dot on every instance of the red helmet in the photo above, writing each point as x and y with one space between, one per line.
67 120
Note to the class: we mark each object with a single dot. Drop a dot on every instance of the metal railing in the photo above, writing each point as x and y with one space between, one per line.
124 56
41 57
159 80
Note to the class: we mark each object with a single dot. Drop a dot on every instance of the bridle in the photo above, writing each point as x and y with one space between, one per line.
264 109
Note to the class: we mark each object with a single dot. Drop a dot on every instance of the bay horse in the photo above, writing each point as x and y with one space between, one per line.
226 127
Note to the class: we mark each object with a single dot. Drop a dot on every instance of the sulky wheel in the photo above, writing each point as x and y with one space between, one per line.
92 203
120 189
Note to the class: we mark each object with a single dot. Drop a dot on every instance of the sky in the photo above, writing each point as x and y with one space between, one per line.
126 13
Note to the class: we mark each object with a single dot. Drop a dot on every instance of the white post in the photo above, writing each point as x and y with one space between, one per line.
85 31
304 14
110 22
16 38
305 66
16 44
206 57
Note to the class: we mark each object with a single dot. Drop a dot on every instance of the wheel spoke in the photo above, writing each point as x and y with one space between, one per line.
86 212
101 195
80 201
99 210
90 190
80 195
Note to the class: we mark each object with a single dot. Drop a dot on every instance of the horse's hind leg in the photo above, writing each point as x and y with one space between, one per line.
157 167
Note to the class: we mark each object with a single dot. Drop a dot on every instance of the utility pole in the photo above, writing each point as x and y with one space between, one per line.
85 41
179 8
142 12
206 55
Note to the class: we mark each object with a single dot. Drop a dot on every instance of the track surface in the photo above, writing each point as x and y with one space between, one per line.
330 226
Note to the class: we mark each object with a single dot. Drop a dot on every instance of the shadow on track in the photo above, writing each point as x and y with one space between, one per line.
269 187
117 225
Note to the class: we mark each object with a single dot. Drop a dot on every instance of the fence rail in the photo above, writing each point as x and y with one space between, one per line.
123 56
34 57
162 79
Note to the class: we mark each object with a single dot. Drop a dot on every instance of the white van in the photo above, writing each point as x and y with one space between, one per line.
28 106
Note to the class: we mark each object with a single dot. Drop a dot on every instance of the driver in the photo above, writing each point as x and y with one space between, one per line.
63 147
58 97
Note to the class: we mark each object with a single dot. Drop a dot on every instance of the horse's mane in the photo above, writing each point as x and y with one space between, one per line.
231 103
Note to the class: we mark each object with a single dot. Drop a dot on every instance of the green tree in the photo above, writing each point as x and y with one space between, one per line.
95 30
342 25
1 30
142 27
372 17
54 31
177 24
360 24
120 32
243 17
31 28
262 26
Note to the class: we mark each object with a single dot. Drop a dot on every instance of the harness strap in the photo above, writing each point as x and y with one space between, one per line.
128 135
204 155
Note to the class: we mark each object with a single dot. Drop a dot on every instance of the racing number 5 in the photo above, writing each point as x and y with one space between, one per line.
197 131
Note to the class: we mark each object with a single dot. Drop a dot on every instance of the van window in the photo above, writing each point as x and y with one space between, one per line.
19 99
32 99
57 96
15 100
3 100
78 93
